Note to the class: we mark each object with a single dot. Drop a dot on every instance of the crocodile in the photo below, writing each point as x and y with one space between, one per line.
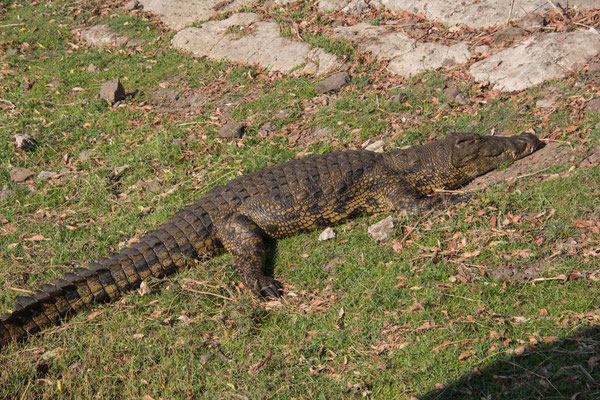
275 202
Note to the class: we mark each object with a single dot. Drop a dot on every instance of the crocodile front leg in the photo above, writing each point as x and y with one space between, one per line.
244 240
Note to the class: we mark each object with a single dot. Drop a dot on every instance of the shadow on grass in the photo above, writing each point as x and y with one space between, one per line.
568 369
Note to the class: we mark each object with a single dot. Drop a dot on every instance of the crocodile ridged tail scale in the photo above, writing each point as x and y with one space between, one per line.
158 254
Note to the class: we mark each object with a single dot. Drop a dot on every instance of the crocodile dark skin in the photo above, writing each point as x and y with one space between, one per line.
275 202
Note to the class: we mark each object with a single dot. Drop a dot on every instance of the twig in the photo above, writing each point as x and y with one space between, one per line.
412 229
512 4
20 290
208 293
10 25
530 174
8 102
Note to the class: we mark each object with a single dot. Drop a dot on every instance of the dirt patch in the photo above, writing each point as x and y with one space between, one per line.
175 101
551 154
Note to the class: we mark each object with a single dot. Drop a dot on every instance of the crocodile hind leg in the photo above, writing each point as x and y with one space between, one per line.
244 240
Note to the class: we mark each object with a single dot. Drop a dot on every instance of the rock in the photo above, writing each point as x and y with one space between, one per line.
267 129
593 158
152 186
84 155
407 56
245 38
532 22
92 68
400 98
382 230
132 5
102 35
593 105
331 5
537 59
18 175
376 146
178 14
282 115
25 142
594 68
482 49
508 35
547 102
453 94
356 7
316 134
118 171
5 192
46 175
476 14
135 42
232 130
112 91
333 83
327 234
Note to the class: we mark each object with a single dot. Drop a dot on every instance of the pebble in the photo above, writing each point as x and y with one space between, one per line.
381 230
112 91
18 175
333 83
232 130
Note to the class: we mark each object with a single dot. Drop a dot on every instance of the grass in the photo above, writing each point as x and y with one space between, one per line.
427 313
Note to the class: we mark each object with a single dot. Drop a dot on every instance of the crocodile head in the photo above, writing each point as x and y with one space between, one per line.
474 155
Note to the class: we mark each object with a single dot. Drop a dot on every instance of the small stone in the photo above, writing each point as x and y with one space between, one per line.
112 91
482 49
232 130
400 98
135 42
65 170
18 175
547 102
267 129
532 22
327 234
508 35
179 141
445 107
25 142
49 355
376 146
11 52
333 83
282 115
381 230
152 186
92 68
592 159
45 175
84 155
204 358
451 92
593 105
118 171
132 5
356 7
5 192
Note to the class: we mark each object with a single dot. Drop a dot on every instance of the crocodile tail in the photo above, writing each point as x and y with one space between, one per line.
157 254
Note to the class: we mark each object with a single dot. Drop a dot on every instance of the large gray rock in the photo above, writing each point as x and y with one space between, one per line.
244 38
407 56
477 13
537 59
178 14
